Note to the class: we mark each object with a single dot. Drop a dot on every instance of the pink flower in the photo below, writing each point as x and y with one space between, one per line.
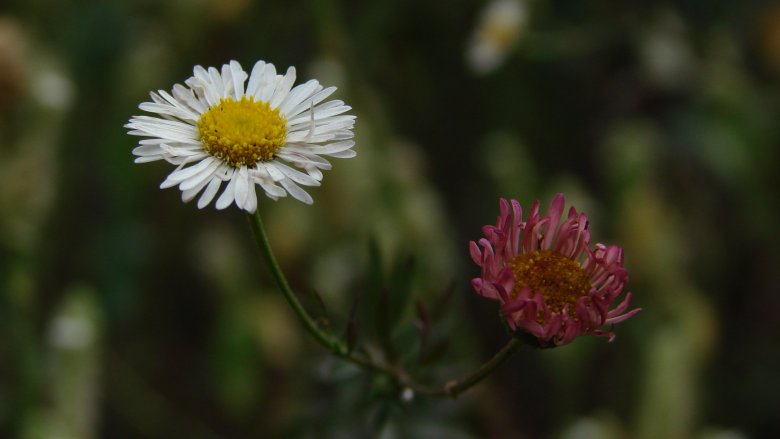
549 280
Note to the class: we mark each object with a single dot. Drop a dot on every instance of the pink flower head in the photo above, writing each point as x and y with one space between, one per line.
549 280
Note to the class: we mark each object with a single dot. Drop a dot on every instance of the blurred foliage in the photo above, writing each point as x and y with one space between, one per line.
125 313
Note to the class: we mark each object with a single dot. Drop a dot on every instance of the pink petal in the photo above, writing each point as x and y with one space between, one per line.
554 215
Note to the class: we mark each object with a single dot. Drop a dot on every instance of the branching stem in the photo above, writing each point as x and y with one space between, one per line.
450 389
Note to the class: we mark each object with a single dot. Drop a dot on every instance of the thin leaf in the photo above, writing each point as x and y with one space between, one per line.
442 300
323 319
352 331
383 325
400 291
423 324
375 278
374 285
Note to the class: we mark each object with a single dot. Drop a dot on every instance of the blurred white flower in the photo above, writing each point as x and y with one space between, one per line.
52 90
70 332
498 30
665 50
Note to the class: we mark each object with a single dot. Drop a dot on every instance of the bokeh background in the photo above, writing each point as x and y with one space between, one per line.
126 313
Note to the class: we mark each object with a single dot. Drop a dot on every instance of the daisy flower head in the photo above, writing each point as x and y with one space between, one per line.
550 282
221 130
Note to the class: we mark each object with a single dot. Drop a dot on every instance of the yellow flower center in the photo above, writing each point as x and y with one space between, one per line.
242 132
561 280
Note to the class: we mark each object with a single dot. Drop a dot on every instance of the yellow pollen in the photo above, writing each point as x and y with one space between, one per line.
242 132
561 280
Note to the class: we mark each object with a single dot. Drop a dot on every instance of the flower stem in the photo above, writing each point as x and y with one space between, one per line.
451 388
311 326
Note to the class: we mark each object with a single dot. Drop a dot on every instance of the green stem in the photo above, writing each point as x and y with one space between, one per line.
262 241
451 388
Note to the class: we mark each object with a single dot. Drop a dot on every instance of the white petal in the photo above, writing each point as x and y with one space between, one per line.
305 160
343 134
331 147
200 73
310 102
184 160
188 151
150 141
255 78
140 122
328 105
283 88
168 182
164 129
259 172
295 190
314 172
201 177
251 199
209 193
228 195
179 111
216 82
323 133
189 194
186 96
227 81
180 175
273 191
348 154
268 84
319 115
181 105
147 159
275 174
296 176
242 186
298 95
203 81
239 76
147 150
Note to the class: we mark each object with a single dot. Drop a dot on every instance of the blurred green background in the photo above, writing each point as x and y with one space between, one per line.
125 313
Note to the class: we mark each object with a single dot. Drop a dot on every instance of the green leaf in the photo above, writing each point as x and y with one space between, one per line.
323 319
393 304
376 280
400 291
383 324
423 322
442 301
372 290
351 335
407 342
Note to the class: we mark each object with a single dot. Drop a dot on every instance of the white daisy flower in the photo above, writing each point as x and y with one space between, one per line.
269 133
